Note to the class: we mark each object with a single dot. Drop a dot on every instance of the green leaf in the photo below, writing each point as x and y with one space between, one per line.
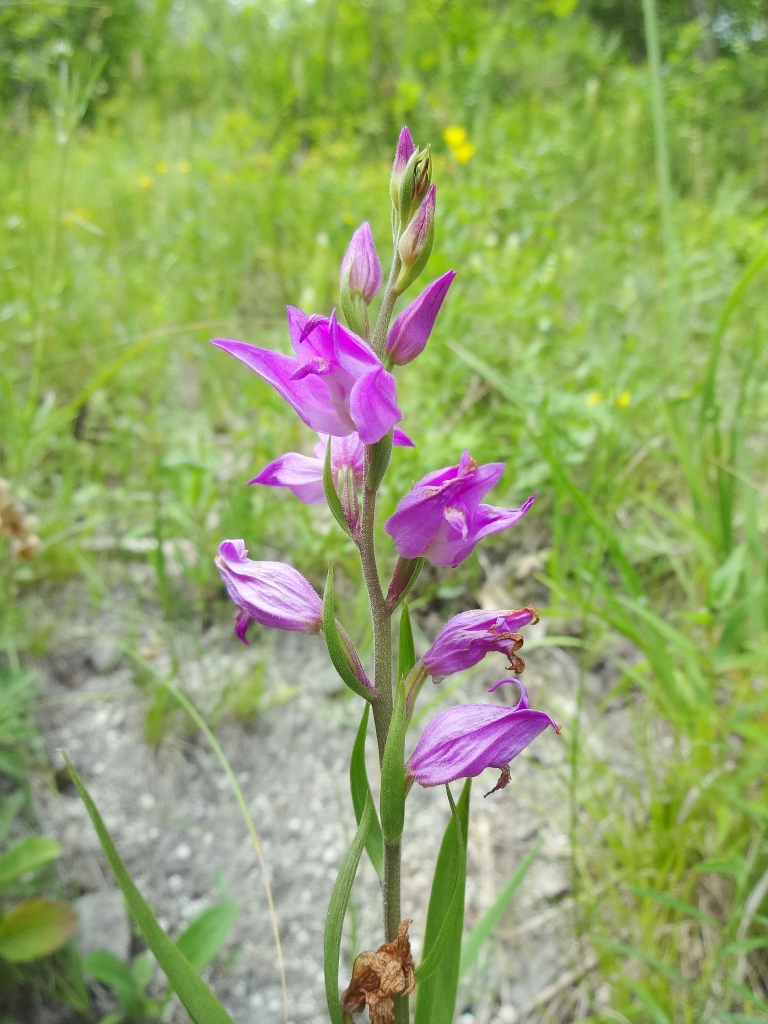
490 918
10 808
36 928
142 969
392 800
438 972
406 656
337 649
331 494
26 856
653 1008
360 788
337 909
668 901
647 958
207 933
111 970
200 1003
381 453
745 945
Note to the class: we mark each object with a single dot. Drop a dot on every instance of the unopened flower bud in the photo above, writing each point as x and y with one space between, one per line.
403 153
361 278
417 177
405 575
410 332
415 245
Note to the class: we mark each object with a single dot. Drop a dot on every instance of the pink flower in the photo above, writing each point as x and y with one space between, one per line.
442 518
335 383
362 265
466 639
271 593
461 742
411 330
303 474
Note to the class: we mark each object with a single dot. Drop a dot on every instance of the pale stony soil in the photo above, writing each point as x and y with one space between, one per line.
175 821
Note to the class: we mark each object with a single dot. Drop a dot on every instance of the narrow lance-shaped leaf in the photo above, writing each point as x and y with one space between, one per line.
207 933
438 973
331 494
339 651
200 1003
360 788
111 970
406 655
490 918
393 772
381 453
337 909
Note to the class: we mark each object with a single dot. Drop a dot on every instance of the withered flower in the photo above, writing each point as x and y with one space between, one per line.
376 977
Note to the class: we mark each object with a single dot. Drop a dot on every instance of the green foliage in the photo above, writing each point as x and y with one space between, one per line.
360 789
438 973
197 998
35 928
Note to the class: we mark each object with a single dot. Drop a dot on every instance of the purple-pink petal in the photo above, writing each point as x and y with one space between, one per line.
461 742
373 405
411 330
300 473
466 638
271 593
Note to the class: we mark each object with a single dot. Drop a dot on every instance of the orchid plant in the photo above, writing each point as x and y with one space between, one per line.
340 383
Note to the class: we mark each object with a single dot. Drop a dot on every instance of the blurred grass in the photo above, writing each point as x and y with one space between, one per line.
135 238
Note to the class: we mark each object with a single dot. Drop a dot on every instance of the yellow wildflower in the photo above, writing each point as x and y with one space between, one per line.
464 152
455 136
624 399
162 167
595 398
144 181
184 167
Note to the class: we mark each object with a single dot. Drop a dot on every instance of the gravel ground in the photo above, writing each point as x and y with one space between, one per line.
175 822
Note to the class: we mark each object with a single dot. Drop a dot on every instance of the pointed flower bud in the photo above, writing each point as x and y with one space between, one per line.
415 245
417 177
270 593
405 575
360 267
411 330
403 153
347 490
466 639
463 741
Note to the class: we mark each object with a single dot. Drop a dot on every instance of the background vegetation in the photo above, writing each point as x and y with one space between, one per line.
171 172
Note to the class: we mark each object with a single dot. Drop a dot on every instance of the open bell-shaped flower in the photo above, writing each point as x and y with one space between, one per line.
271 593
442 518
335 382
462 741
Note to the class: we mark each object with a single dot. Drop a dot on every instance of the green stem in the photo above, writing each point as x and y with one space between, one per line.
387 308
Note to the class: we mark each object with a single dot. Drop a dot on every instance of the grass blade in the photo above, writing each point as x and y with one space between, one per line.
490 918
650 1004
668 901
200 1003
360 788
200 722
647 958
438 972
337 909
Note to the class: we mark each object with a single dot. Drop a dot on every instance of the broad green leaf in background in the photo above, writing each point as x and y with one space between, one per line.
36 928
406 657
360 788
490 918
200 1003
337 909
27 855
438 983
207 933
111 970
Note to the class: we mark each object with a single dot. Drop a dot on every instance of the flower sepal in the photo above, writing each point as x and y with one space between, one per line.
381 453
405 575
341 650
332 495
